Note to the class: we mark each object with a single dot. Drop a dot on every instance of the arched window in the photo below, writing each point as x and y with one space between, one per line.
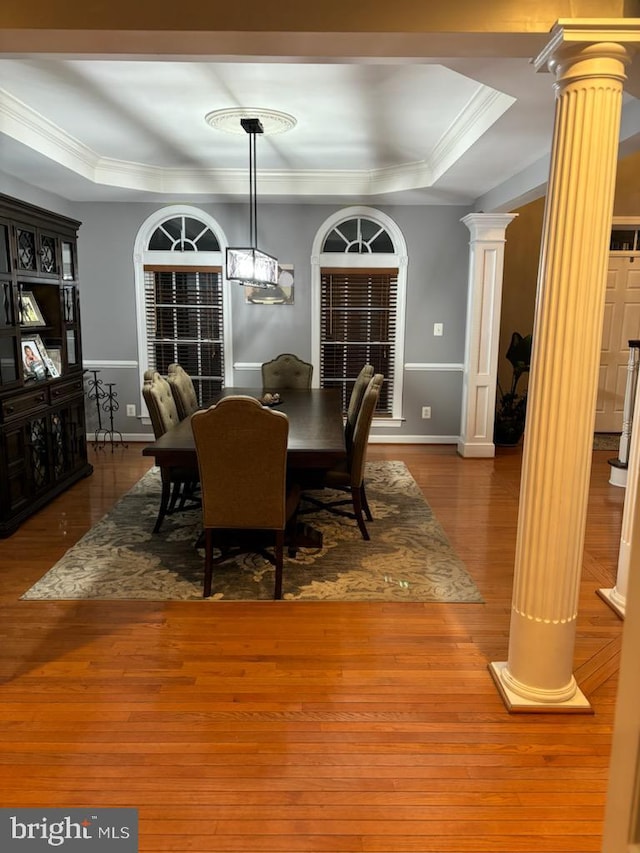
183 310
359 282
358 236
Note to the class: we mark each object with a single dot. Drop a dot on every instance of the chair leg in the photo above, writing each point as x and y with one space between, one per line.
357 511
175 494
188 490
164 503
365 503
291 534
277 594
208 562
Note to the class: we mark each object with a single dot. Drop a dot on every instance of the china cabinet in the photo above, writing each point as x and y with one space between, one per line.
42 421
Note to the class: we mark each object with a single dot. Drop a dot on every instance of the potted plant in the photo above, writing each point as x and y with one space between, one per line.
511 406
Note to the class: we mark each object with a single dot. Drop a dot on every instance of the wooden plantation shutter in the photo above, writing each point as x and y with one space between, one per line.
358 326
184 321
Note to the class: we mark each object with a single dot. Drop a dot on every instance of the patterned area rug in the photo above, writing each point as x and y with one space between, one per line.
407 559
606 441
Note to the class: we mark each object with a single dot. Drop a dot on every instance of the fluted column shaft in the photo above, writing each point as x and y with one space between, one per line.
564 375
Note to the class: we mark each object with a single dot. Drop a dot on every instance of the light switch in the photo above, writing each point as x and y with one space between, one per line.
438 329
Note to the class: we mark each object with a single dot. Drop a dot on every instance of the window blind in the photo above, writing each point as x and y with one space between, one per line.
358 326
185 324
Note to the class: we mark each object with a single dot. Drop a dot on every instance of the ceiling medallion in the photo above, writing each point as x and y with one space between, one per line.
272 121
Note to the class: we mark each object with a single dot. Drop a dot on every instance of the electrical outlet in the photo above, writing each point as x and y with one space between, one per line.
131 410
426 412
438 330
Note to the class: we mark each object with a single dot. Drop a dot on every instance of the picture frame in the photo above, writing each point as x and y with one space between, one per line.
30 313
55 356
35 359
280 295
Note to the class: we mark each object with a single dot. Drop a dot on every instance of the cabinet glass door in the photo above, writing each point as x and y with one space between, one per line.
8 338
8 360
47 252
4 248
70 308
68 264
26 245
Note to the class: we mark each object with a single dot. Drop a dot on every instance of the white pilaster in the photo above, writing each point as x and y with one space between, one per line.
484 297
616 598
618 476
589 71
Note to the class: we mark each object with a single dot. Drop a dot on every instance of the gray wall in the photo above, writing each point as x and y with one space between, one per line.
32 195
437 245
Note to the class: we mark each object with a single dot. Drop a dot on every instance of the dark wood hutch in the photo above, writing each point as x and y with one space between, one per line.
43 446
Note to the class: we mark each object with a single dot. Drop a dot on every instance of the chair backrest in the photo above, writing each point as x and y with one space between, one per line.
286 371
242 458
183 391
360 442
159 399
357 393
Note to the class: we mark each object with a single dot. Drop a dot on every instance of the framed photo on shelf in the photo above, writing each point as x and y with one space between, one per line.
282 294
30 313
55 356
35 359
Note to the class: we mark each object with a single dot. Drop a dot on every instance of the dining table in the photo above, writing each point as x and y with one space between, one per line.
315 444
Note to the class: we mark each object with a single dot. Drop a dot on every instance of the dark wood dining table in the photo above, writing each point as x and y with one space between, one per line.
316 432
316 441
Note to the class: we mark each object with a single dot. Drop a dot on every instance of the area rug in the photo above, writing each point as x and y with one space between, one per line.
606 441
407 559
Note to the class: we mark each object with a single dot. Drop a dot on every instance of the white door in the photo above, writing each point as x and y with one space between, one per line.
621 324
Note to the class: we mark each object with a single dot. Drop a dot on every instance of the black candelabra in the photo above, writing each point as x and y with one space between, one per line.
106 401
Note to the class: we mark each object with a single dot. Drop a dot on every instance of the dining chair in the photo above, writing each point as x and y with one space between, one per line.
286 371
177 483
355 401
348 476
242 458
183 390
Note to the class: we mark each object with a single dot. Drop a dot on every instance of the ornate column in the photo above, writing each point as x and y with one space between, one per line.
484 296
589 67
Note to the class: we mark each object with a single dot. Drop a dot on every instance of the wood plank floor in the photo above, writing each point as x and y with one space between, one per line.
292 727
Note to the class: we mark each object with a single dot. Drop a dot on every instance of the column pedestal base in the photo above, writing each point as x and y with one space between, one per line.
607 595
578 704
618 473
469 450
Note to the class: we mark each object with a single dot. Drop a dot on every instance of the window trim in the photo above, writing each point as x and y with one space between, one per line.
143 257
341 260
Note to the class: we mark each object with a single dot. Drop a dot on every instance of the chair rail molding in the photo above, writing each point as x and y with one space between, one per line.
433 366
98 364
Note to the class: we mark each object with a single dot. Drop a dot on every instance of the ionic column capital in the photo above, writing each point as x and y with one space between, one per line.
590 47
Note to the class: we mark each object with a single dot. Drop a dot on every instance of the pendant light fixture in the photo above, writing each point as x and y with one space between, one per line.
248 265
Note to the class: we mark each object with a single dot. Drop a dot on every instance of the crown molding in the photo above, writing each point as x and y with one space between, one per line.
28 127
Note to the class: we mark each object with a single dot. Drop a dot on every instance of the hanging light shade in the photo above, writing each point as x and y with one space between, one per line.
247 265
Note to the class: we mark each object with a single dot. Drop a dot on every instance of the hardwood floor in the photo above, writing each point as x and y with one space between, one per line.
312 726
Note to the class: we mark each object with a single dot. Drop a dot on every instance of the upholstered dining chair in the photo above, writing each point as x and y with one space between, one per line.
176 482
349 475
182 388
355 401
286 371
242 458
